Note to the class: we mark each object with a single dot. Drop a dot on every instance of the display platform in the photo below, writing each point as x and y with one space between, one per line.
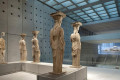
71 74
42 70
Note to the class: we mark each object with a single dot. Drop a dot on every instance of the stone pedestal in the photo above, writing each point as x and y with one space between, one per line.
71 74
42 70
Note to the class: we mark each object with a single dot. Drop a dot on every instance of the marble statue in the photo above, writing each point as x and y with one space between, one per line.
76 45
57 42
35 47
2 49
22 46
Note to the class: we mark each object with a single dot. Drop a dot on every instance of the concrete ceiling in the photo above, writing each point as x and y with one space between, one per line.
102 38
104 27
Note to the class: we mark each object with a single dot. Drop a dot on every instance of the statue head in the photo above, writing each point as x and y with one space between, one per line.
58 16
76 26
35 33
2 34
23 35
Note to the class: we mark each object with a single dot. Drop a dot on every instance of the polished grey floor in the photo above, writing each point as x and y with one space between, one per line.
93 74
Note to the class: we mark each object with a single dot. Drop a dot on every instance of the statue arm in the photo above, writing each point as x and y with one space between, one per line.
4 45
51 37
62 38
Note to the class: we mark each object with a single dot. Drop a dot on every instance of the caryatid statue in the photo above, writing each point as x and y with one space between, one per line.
76 45
22 46
57 42
2 48
35 47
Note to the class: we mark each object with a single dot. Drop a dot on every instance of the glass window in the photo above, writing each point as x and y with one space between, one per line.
115 15
115 12
83 16
111 6
92 14
108 3
73 15
109 48
67 3
96 18
58 7
71 7
105 17
77 1
60 1
51 2
99 9
112 10
92 1
96 6
82 4
80 13
88 8
89 20
63 9
43 0
77 11
89 11
101 12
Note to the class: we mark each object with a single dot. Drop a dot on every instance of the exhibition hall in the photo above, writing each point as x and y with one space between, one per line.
59 39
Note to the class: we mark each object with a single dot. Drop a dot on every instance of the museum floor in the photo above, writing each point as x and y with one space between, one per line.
94 73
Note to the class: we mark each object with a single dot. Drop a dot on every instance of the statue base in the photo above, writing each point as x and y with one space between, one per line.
75 66
57 73
42 70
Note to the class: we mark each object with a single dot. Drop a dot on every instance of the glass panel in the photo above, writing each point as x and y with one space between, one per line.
57 7
63 9
84 16
70 13
88 8
77 1
73 15
89 11
103 15
82 4
67 3
77 11
71 7
96 6
101 12
60 1
92 14
96 18
76 17
109 48
111 6
51 2
115 15
87 18
111 10
108 3
92 1
99 9
80 19
80 13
